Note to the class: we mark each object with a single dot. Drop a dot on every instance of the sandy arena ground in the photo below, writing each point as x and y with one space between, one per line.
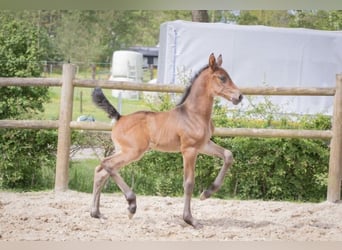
65 217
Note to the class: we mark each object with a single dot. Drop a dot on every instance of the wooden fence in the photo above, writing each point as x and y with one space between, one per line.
65 123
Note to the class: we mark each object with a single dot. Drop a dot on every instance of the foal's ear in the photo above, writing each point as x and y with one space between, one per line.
219 60
212 62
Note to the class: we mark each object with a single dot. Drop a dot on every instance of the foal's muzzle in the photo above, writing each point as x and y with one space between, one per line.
237 98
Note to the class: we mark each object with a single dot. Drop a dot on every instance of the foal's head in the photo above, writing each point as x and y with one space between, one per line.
220 82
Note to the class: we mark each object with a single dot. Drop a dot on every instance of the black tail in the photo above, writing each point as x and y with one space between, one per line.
102 102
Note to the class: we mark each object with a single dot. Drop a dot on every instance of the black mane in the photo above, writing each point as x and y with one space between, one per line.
188 88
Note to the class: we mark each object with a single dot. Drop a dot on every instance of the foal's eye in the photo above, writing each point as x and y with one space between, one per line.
223 78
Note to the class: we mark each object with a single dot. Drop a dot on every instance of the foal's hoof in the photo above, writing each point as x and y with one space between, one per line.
97 215
197 225
131 211
204 195
194 223
130 215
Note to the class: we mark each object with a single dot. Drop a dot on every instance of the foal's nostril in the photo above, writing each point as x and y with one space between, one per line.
237 99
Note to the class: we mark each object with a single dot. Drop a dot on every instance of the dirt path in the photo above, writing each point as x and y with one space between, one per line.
47 216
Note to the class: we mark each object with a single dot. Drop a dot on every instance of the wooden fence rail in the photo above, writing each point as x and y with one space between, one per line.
65 124
222 132
167 88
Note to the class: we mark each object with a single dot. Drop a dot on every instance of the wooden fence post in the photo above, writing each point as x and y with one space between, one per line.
64 130
335 161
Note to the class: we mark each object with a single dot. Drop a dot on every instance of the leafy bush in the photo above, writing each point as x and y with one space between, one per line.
27 156
274 168
20 55
92 139
277 169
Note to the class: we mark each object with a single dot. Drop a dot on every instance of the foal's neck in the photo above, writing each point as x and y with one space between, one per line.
200 101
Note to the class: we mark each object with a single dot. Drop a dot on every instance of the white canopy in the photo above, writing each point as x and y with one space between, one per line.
255 56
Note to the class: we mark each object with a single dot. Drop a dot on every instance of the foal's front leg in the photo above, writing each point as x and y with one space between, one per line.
215 150
189 161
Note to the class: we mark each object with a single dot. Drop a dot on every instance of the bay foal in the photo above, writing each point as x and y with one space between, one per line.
187 129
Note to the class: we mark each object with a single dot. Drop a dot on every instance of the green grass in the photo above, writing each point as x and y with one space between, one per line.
81 175
86 106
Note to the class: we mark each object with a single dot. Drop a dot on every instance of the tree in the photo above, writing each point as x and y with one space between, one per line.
312 19
92 36
79 36
20 57
200 16
27 156
276 18
324 20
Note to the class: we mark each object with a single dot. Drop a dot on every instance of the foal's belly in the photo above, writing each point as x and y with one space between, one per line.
165 144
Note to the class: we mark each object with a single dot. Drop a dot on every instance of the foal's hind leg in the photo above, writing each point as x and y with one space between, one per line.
100 177
127 191
110 166
215 150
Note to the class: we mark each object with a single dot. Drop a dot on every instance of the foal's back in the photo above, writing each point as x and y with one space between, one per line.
149 130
